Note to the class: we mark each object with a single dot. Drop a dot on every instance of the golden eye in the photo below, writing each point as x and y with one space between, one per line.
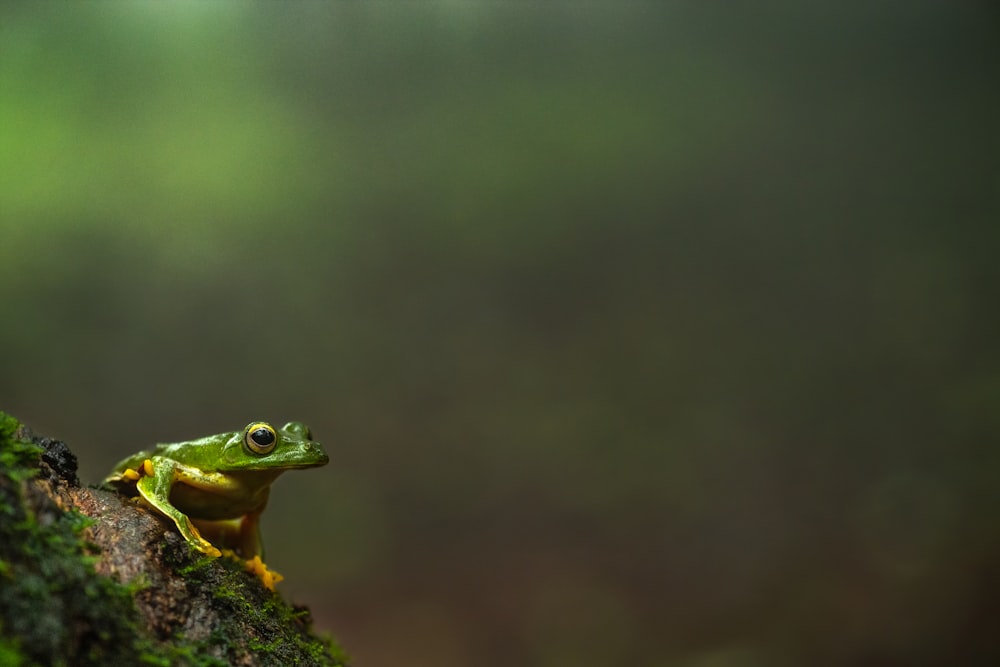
260 438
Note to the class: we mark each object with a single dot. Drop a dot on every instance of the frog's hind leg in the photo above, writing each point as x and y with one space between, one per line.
241 536
225 534
250 542
240 539
252 549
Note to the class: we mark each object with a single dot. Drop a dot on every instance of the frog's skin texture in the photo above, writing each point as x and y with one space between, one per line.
218 486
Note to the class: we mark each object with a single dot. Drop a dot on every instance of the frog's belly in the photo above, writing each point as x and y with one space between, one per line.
213 505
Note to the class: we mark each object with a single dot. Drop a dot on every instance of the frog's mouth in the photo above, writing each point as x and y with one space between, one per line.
296 457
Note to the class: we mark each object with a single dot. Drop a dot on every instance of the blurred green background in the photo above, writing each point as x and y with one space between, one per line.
638 334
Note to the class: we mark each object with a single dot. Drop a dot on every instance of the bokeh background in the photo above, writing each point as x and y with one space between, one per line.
638 334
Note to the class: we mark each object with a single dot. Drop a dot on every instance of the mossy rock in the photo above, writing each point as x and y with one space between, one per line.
88 577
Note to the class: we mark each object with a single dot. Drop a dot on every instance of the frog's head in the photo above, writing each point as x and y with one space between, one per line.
260 446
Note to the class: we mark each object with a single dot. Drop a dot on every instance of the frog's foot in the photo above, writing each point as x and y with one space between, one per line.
256 566
144 469
207 548
124 481
267 577
195 539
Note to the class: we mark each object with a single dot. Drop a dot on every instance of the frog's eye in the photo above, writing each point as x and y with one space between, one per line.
260 438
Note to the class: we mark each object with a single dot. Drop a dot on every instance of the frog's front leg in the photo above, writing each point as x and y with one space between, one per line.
155 486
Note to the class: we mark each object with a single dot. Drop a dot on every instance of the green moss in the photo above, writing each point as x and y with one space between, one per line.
52 602
18 458
201 564
192 655
284 638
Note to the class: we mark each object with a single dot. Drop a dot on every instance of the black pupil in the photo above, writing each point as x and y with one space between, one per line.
262 437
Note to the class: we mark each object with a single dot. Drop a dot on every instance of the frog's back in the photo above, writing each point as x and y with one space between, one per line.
175 450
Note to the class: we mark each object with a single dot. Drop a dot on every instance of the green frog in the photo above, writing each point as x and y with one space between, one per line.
218 486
